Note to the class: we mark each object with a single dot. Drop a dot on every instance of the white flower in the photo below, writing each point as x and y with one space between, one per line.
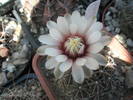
74 42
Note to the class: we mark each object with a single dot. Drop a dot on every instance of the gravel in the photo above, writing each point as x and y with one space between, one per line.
28 90
111 21
115 25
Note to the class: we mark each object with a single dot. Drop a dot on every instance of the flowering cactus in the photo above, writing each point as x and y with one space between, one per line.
74 42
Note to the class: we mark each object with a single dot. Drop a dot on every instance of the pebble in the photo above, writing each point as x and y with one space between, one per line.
108 18
3 78
6 21
4 52
10 67
112 27
129 42
20 61
129 77
115 23
108 13
6 66
117 30
10 75
114 10
108 28
33 87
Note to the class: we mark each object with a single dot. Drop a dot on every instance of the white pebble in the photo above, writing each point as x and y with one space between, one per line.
108 18
114 10
117 30
130 42
115 23
111 27
108 13
108 28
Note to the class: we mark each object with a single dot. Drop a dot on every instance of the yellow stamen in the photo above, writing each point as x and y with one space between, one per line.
74 44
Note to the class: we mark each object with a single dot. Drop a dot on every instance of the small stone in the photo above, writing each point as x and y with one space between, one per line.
20 61
39 89
33 28
108 28
114 10
129 42
108 13
10 75
33 87
129 77
108 18
3 78
115 23
17 33
22 54
10 67
117 30
80 6
4 52
111 27
114 15
5 21
21 10
12 24
42 31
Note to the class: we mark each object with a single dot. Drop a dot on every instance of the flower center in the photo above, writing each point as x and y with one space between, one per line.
74 45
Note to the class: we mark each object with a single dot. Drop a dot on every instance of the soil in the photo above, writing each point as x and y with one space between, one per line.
28 90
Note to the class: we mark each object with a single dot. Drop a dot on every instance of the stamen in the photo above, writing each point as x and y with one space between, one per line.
74 45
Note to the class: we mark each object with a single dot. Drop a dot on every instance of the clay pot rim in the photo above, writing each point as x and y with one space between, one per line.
41 77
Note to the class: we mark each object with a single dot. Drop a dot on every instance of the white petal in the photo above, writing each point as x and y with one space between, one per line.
68 18
51 25
83 25
76 19
57 73
100 58
51 63
78 73
92 9
97 26
92 64
47 39
55 34
52 52
81 61
61 58
65 66
94 37
62 25
90 22
95 48
105 40
73 28
41 49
